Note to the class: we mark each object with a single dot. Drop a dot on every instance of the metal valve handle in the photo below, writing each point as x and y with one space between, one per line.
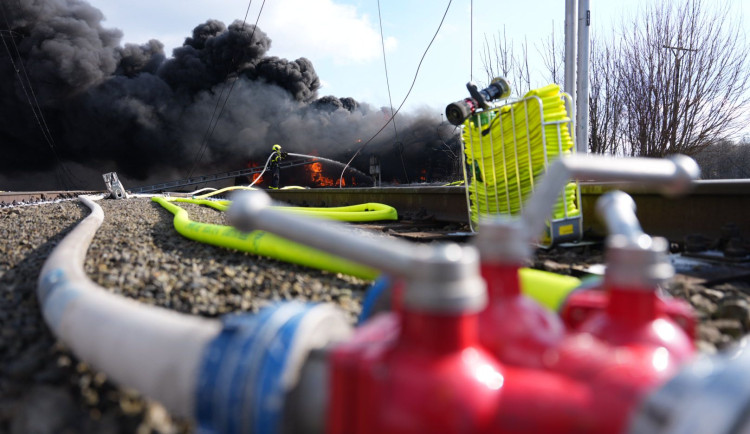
508 239
439 277
670 176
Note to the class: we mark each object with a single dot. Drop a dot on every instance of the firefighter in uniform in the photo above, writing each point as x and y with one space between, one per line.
275 160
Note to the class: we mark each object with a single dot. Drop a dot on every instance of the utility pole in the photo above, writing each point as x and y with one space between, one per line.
570 53
678 53
582 82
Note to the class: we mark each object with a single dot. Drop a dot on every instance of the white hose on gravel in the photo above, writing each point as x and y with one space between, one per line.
153 350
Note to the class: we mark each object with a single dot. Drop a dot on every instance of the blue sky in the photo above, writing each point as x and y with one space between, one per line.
342 37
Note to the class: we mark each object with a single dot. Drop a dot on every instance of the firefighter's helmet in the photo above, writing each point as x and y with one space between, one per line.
276 148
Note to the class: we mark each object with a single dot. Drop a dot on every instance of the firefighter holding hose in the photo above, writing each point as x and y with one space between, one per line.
276 158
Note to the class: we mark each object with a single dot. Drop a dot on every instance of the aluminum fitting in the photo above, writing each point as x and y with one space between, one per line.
503 240
617 210
640 263
710 394
440 278
445 278
686 171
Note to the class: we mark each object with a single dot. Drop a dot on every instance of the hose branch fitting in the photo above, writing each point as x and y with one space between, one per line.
440 278
634 259
641 263
504 238
670 176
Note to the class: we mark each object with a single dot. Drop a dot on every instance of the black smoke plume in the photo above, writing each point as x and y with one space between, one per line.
72 94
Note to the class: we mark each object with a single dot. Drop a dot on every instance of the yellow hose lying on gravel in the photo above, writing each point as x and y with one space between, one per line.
262 243
366 212
223 190
548 289
242 187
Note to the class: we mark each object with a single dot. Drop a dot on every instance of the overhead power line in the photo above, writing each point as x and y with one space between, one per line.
212 124
65 177
416 74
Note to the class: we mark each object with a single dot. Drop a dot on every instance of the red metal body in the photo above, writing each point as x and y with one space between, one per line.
514 327
419 373
414 373
582 304
640 317
628 348
512 368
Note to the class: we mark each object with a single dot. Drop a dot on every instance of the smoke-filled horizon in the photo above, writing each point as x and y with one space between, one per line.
131 109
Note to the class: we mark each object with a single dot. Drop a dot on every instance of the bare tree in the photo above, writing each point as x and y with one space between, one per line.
499 59
605 98
523 72
552 54
673 78
684 77
724 160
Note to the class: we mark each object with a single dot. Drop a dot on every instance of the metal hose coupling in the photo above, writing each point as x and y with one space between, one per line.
262 372
503 240
439 278
641 263
709 395
634 259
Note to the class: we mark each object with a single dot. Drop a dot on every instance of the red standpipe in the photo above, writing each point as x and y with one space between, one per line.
623 353
412 372
637 316
583 304
521 332
514 327
421 373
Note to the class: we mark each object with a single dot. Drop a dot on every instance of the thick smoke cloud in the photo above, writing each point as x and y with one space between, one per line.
132 109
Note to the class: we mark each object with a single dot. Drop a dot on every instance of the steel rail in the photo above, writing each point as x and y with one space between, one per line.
709 206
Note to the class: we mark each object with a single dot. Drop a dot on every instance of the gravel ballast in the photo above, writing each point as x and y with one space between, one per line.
138 254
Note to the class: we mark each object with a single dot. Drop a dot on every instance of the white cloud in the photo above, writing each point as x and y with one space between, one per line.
332 31
322 30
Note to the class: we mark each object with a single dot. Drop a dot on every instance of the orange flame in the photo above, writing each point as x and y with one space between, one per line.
315 170
255 176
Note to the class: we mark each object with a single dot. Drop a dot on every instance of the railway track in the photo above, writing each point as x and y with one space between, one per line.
11 198
711 206
708 210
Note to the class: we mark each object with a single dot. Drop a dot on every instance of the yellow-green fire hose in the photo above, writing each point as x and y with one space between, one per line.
262 243
366 212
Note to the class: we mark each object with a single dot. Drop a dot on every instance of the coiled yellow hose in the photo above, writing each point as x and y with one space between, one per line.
508 148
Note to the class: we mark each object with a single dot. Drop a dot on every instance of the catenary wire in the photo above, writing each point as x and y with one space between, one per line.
212 125
64 176
416 74
388 86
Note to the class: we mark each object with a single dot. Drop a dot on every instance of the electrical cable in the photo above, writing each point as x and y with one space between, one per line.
64 177
447 148
211 124
416 74
206 135
471 40
390 100
385 67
